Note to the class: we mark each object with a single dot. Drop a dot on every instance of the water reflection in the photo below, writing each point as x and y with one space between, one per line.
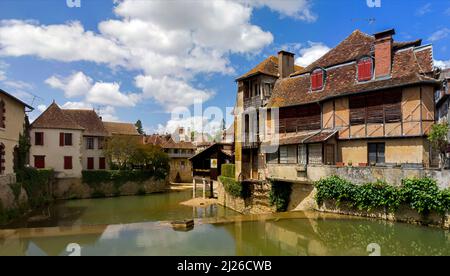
307 235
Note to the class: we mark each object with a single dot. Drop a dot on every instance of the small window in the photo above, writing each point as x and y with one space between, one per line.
68 162
365 69
317 79
39 161
102 163
38 138
101 142
315 154
2 114
2 158
90 163
376 153
302 157
90 143
65 139
272 158
288 154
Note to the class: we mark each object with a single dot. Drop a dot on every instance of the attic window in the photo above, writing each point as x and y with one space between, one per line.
317 79
365 69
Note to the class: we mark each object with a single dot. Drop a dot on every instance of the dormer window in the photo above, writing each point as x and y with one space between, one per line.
317 79
365 69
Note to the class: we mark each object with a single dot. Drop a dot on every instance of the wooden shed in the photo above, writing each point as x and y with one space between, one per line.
207 163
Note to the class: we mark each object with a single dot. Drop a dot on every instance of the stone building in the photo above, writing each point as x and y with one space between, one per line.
12 122
367 102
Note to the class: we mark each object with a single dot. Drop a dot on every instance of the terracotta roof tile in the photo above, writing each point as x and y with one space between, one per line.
269 66
89 120
115 128
409 67
55 118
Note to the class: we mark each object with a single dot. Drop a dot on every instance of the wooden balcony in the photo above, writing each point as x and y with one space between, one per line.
255 102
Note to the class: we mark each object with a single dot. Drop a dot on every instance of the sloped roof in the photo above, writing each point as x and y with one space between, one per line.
115 128
269 66
16 99
410 66
165 141
89 120
55 118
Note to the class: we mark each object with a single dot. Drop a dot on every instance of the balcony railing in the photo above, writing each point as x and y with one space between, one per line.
255 102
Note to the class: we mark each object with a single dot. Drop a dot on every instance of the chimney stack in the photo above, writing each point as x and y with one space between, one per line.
383 53
285 64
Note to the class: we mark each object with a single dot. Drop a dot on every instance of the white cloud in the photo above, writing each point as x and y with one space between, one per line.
424 9
3 67
440 34
77 105
170 92
108 113
17 84
41 107
109 94
298 9
75 85
313 52
444 64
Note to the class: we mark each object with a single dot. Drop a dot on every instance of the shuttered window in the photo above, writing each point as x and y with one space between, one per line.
39 161
302 156
67 162
288 154
357 106
374 109
2 114
393 106
102 163
38 138
317 78
65 139
272 158
315 154
365 69
90 163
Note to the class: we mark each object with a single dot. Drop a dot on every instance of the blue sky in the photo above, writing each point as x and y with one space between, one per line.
140 59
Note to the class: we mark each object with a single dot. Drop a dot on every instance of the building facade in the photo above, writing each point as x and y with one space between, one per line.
12 123
367 102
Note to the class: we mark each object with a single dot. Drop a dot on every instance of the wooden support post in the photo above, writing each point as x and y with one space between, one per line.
194 187
204 188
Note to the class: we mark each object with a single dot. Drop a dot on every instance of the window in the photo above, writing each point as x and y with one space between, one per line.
90 143
67 162
317 78
2 114
302 154
2 158
357 105
315 154
38 138
102 163
90 163
101 142
65 139
288 154
39 161
376 153
365 69
272 158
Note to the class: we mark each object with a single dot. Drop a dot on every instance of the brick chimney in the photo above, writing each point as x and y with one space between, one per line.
285 64
383 53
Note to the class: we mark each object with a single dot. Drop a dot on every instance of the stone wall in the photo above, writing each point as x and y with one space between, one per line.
258 203
9 201
74 188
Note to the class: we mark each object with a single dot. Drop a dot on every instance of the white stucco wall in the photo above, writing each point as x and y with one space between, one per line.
54 153
96 153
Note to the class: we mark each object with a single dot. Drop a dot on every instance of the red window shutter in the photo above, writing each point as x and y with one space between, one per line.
67 162
61 139
90 163
317 80
102 163
365 69
39 162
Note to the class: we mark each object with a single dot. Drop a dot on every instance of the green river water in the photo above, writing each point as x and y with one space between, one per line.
140 226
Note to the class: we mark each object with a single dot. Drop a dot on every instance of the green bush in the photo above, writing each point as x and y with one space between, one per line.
279 195
16 188
119 177
228 170
423 195
235 188
37 185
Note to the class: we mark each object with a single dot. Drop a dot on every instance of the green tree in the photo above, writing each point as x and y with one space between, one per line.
438 138
151 158
139 127
120 150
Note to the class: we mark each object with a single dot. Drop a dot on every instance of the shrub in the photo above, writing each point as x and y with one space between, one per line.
16 188
228 170
235 188
422 195
279 195
37 185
